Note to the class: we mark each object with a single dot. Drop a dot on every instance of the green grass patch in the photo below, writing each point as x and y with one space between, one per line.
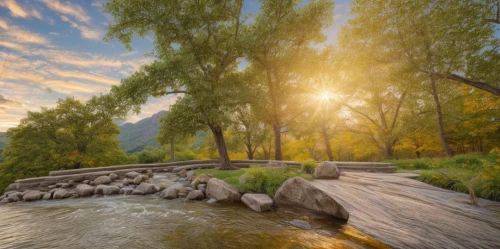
462 173
230 176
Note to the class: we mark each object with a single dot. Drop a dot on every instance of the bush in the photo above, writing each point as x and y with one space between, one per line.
267 180
421 165
186 155
308 167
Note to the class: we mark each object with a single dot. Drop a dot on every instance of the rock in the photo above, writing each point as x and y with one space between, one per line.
59 184
65 185
140 178
106 190
202 187
183 173
131 175
189 175
53 190
200 179
47 196
12 186
102 180
144 189
71 183
61 194
33 196
86 182
126 191
189 189
300 224
13 199
212 201
113 176
222 191
170 193
257 202
243 179
127 181
183 191
18 195
327 170
181 195
85 190
196 195
150 173
91 183
52 186
298 192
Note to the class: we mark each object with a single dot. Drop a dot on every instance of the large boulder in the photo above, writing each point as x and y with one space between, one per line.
170 193
85 190
327 170
200 179
257 202
61 194
196 195
113 176
298 192
140 178
222 191
18 195
106 190
101 180
131 175
47 196
144 189
183 173
33 196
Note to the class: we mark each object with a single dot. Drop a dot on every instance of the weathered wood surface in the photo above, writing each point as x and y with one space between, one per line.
406 213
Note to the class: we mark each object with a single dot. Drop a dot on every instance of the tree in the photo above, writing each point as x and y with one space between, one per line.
71 136
197 44
281 51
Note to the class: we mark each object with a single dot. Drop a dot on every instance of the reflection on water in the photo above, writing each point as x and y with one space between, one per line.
152 222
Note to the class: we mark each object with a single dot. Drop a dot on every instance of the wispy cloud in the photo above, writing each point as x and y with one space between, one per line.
85 60
68 8
13 46
128 53
86 32
6 103
17 10
16 33
85 76
54 33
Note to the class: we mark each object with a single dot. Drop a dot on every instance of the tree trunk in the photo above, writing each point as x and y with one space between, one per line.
277 142
327 142
172 150
439 117
221 147
249 151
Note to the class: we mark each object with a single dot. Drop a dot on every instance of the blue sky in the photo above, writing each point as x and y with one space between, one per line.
50 49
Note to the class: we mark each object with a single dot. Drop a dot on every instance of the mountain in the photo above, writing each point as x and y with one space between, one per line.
135 137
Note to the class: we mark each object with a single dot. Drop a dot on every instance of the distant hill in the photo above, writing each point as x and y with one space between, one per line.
134 137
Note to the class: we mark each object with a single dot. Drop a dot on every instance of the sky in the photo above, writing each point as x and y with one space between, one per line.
51 49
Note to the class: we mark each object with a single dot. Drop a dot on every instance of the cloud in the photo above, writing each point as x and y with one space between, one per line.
68 9
128 53
85 76
85 60
54 33
5 103
86 32
17 11
3 24
12 46
18 34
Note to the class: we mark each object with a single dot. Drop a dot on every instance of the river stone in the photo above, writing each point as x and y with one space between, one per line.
101 180
113 176
71 183
140 178
33 196
61 194
300 224
212 201
202 187
170 193
18 195
65 185
200 179
131 175
183 173
91 183
298 192
106 190
196 195
47 196
222 191
13 199
144 189
85 190
150 173
126 191
59 184
257 202
190 175
52 186
86 182
12 186
327 170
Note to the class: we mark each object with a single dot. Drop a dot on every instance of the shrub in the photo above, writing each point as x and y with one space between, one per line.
421 165
267 180
186 155
308 166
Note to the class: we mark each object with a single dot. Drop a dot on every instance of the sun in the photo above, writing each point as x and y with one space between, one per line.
325 96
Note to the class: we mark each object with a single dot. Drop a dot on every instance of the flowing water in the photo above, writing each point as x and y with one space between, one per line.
152 222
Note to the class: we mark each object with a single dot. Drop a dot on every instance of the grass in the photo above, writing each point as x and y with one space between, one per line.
260 179
477 175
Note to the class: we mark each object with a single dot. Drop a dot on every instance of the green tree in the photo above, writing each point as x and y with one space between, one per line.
281 54
197 44
73 135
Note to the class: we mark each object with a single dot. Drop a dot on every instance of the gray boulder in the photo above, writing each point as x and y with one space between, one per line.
257 202
183 173
102 180
65 185
71 183
190 175
139 179
202 187
170 193
61 194
85 190
144 189
327 170
131 175
200 179
106 190
196 195
33 196
300 193
113 176
150 173
18 195
47 196
86 182
222 191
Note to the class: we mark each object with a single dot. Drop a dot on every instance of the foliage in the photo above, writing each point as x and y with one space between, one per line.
150 155
186 155
230 176
70 136
268 179
308 167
